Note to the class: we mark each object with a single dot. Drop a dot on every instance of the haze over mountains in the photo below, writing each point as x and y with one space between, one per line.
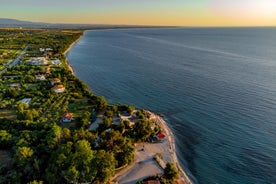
6 21
14 23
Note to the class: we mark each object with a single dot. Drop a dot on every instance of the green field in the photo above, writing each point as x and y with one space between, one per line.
9 114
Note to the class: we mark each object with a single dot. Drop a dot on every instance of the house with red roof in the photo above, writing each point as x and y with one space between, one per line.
59 88
54 81
161 136
67 117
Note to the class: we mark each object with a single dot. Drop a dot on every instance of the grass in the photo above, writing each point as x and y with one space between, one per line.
9 114
4 61
79 107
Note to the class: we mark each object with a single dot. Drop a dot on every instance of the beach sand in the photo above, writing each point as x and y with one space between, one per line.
67 50
161 122
145 165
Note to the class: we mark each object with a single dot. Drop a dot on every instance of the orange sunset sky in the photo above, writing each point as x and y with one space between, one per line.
144 12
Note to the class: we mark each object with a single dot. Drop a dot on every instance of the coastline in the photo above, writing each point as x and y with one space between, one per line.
159 120
65 54
71 45
163 124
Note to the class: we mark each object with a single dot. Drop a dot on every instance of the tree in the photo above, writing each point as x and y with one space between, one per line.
85 119
66 134
141 114
120 127
126 155
36 182
82 165
22 106
29 79
101 103
28 115
72 174
170 171
12 93
109 113
54 135
105 163
23 155
5 139
142 130
126 123
24 152
130 109
34 113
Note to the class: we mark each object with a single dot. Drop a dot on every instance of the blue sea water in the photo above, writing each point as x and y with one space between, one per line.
216 87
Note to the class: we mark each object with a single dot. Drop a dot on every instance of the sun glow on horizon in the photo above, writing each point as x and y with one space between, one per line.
145 12
253 11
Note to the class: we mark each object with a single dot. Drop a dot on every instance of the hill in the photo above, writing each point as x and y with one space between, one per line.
6 21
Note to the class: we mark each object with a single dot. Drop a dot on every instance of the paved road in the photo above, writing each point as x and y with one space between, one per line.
16 61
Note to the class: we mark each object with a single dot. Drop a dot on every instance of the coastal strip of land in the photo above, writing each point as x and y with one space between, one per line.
145 163
162 123
70 47
65 53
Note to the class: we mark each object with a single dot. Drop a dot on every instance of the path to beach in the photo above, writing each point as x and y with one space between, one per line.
144 164
143 167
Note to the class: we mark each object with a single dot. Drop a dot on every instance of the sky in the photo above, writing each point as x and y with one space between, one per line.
144 12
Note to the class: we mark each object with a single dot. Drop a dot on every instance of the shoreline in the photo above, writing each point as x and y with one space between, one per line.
163 124
71 45
159 120
65 54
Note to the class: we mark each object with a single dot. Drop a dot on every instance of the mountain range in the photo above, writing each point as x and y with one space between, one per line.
14 23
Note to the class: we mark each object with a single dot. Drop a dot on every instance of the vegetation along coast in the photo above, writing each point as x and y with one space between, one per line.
67 50
54 130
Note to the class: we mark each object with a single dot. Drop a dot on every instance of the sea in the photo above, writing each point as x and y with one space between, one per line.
216 88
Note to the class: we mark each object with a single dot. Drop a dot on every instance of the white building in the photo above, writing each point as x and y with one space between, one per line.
40 77
26 100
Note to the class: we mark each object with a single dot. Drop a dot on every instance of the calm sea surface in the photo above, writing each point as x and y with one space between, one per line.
216 87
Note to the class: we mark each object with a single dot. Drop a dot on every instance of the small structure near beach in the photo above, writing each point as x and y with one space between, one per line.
37 61
26 100
67 117
59 88
161 136
56 62
47 70
14 85
157 138
179 181
54 81
40 77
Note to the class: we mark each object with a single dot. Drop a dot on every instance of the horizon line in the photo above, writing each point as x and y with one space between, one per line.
141 25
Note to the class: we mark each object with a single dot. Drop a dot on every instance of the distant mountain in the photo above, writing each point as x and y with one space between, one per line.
14 23
5 21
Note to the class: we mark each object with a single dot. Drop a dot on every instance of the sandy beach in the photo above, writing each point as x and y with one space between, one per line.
161 122
72 44
67 50
144 163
